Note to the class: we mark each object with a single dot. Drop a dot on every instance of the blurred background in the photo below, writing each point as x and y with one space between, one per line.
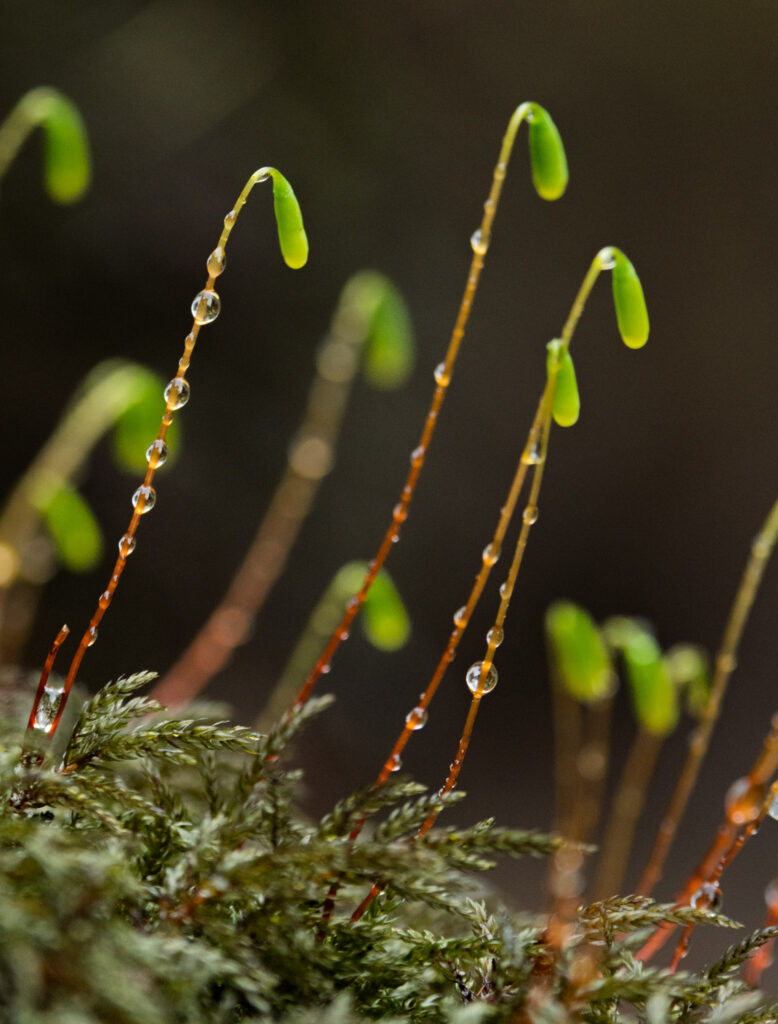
387 119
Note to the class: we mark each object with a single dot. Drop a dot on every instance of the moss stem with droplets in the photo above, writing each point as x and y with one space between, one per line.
761 550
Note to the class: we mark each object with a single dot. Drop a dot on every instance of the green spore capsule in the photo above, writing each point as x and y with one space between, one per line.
289 219
631 312
389 351
73 529
547 154
578 652
567 401
689 670
654 694
66 164
385 620
137 426
372 313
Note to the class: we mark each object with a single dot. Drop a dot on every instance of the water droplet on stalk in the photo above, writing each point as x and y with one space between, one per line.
491 553
177 393
442 376
479 244
707 897
206 306
473 678
417 718
495 636
144 499
156 454
743 801
126 545
217 262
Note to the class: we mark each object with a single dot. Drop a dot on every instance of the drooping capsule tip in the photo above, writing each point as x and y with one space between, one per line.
567 402
289 220
547 154
629 301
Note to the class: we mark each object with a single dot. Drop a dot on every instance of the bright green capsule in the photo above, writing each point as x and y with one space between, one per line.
389 350
73 529
138 424
289 219
629 301
580 657
547 154
385 620
689 670
67 164
654 694
567 402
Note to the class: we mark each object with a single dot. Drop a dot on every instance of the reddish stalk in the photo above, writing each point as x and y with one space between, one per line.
176 396
443 373
745 804
761 550
310 460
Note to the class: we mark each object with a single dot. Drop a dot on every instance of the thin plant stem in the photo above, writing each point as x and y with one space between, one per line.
176 396
627 804
106 393
443 375
761 550
745 803
310 459
495 634
737 844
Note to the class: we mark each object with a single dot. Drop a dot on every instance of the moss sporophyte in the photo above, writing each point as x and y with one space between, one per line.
171 846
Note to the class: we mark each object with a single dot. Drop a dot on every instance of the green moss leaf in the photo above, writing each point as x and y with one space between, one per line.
579 654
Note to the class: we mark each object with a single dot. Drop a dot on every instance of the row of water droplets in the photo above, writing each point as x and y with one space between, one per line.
478 681
206 306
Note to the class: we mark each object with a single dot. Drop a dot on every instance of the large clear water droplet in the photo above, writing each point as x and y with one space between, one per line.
144 499
177 393
473 678
156 453
206 306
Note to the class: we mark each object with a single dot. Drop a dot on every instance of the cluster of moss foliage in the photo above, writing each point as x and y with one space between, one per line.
157 870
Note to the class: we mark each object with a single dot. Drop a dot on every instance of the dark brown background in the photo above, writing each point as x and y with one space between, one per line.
387 119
